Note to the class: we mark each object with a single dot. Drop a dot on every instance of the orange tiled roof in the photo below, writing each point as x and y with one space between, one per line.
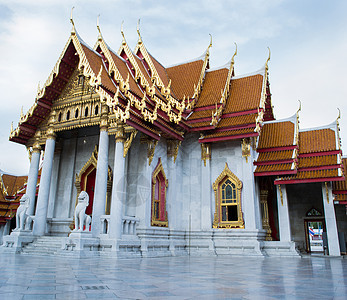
213 86
238 120
230 133
277 134
124 71
184 76
274 167
314 174
317 161
95 62
200 124
275 155
201 114
161 70
317 141
245 94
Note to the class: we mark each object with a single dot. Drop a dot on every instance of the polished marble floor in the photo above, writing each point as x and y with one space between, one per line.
223 277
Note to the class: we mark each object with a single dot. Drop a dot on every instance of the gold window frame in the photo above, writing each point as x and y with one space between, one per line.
158 169
217 187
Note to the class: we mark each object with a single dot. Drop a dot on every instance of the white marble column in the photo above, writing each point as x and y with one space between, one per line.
250 200
45 182
330 220
99 203
283 213
206 187
118 186
32 178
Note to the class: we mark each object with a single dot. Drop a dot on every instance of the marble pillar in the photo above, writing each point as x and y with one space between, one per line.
250 202
32 178
283 213
330 220
206 187
118 187
100 182
45 181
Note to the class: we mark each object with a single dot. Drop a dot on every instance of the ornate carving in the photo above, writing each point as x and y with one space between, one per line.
172 148
151 144
265 214
246 148
327 191
21 214
82 220
217 221
281 194
205 152
128 142
120 134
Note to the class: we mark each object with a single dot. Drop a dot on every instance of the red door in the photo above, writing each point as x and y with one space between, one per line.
90 186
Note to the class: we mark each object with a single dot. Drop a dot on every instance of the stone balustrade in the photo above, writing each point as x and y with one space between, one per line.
128 225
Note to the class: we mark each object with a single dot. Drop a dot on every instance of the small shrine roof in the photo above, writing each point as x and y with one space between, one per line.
279 134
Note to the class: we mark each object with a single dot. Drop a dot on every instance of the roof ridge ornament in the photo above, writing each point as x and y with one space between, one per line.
73 30
339 116
138 31
98 27
122 32
267 61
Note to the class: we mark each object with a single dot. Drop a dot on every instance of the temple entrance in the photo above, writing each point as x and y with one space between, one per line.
88 185
85 181
314 229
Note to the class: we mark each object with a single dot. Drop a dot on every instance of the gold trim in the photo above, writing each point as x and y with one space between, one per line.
172 148
205 152
217 221
128 142
327 191
246 148
265 214
151 144
281 195
157 170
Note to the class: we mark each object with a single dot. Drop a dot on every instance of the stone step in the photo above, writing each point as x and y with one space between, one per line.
45 245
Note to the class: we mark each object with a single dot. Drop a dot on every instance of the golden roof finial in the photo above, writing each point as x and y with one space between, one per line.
138 31
11 126
268 59
21 112
210 41
72 22
339 116
299 106
97 25
122 32
232 59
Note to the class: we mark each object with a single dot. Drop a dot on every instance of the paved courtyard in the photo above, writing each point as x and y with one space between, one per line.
33 277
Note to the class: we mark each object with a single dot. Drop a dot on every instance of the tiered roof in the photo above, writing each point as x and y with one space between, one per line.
278 147
158 101
189 97
12 187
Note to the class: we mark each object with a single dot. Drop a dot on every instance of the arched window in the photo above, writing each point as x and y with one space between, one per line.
86 112
68 115
59 117
96 111
76 113
227 190
159 185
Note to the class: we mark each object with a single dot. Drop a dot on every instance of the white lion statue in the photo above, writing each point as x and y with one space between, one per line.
21 214
81 218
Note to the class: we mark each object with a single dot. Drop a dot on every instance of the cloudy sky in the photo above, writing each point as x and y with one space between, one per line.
308 44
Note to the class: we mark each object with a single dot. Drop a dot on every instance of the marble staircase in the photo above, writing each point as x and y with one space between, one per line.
44 245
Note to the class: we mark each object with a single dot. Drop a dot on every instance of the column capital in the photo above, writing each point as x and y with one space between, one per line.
104 117
50 131
36 147
120 134
205 152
